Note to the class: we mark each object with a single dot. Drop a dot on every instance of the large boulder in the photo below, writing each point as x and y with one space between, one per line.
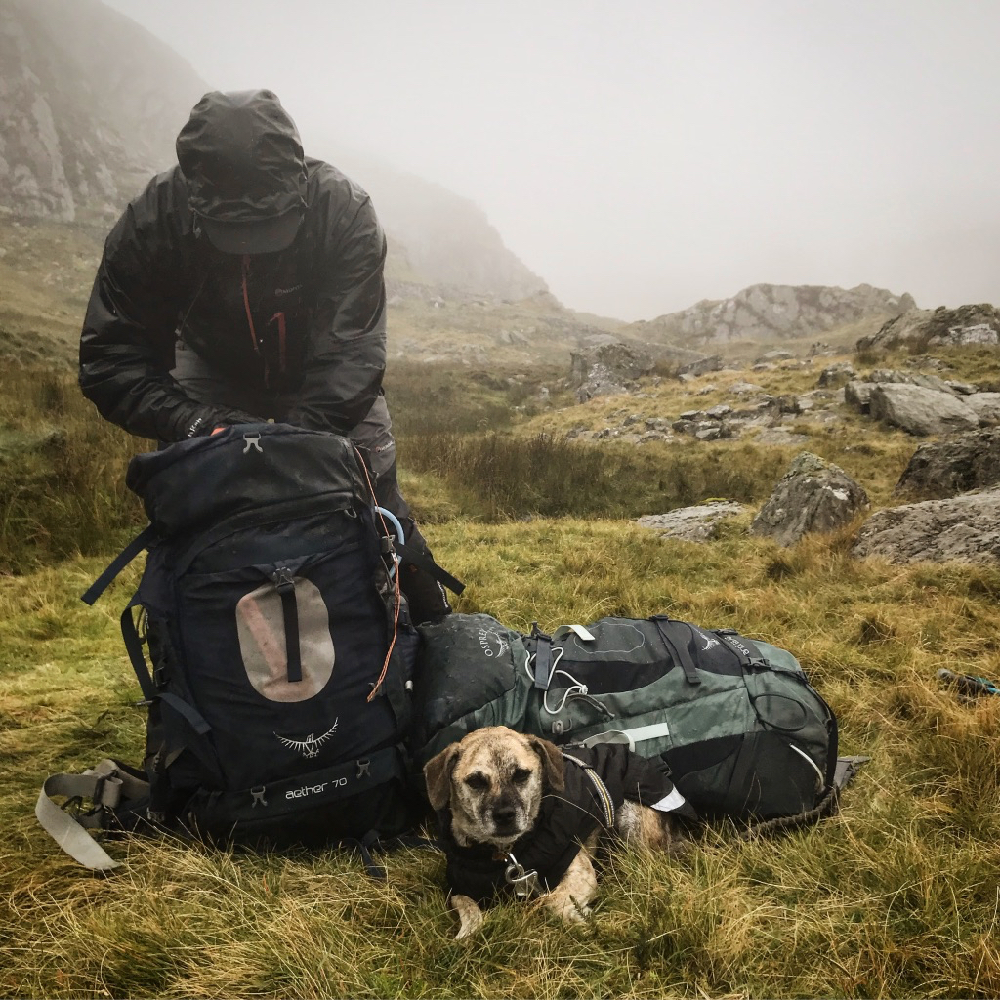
920 411
894 375
693 524
961 529
607 369
955 464
812 496
920 329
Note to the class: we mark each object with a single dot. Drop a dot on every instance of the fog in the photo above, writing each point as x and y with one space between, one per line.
641 155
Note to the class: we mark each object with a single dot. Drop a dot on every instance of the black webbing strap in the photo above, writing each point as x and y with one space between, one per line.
285 585
543 657
127 554
422 559
133 644
678 653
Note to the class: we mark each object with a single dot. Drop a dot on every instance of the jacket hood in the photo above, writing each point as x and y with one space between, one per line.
243 161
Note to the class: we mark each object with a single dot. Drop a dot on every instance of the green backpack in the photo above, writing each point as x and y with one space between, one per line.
744 733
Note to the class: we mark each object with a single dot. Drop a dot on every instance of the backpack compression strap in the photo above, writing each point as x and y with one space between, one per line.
107 785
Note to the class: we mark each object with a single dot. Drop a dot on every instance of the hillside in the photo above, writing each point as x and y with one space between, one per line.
764 313
90 106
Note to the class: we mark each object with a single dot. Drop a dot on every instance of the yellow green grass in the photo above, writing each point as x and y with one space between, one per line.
895 896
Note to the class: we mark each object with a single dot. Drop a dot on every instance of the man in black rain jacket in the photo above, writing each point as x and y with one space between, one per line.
246 283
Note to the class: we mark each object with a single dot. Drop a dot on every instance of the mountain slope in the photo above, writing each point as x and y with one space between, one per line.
772 312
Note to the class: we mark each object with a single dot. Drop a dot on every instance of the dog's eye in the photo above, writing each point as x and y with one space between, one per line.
521 775
478 782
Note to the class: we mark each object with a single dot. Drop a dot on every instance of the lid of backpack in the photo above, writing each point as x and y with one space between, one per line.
242 468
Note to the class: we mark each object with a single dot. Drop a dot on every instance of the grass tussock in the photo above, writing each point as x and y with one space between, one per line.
508 476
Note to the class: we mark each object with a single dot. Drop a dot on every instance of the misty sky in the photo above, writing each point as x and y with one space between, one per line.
641 155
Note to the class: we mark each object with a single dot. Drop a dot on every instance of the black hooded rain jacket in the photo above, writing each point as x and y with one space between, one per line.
307 323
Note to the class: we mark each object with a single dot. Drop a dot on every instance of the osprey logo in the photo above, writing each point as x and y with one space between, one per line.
491 643
309 747
708 640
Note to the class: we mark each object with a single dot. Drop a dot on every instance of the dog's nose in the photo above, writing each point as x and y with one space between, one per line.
504 818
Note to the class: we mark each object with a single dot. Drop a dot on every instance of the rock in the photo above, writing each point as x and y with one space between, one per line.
919 411
768 312
707 390
892 375
858 395
744 388
836 375
607 369
713 363
961 529
693 524
920 329
812 496
987 407
955 464
776 355
962 388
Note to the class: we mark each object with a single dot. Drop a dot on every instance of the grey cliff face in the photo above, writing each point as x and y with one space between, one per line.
769 312
90 105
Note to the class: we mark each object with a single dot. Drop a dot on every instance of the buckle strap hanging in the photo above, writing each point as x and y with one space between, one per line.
284 583
542 657
679 653
422 559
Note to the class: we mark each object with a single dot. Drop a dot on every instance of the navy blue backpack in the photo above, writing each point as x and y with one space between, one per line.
271 642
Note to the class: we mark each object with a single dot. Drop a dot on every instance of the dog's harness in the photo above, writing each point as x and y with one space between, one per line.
601 780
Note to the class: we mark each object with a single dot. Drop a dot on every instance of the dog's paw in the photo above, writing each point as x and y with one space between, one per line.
567 908
469 915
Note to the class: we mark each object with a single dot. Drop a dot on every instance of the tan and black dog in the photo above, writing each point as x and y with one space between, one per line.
518 814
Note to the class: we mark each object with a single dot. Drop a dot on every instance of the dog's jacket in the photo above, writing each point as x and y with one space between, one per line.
565 820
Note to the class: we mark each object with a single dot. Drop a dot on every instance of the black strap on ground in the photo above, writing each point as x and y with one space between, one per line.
678 653
285 585
847 767
422 559
120 561
543 657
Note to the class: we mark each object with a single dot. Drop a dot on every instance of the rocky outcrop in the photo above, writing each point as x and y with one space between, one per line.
90 106
812 496
956 464
693 524
769 312
607 370
923 329
920 411
962 529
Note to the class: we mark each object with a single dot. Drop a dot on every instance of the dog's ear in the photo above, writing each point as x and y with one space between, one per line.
553 765
437 775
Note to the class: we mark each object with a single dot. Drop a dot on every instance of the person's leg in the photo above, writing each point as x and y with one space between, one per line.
424 594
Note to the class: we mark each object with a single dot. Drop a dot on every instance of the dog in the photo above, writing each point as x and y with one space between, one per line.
518 814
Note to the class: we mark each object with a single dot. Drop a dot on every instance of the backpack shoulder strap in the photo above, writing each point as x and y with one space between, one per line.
138 544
